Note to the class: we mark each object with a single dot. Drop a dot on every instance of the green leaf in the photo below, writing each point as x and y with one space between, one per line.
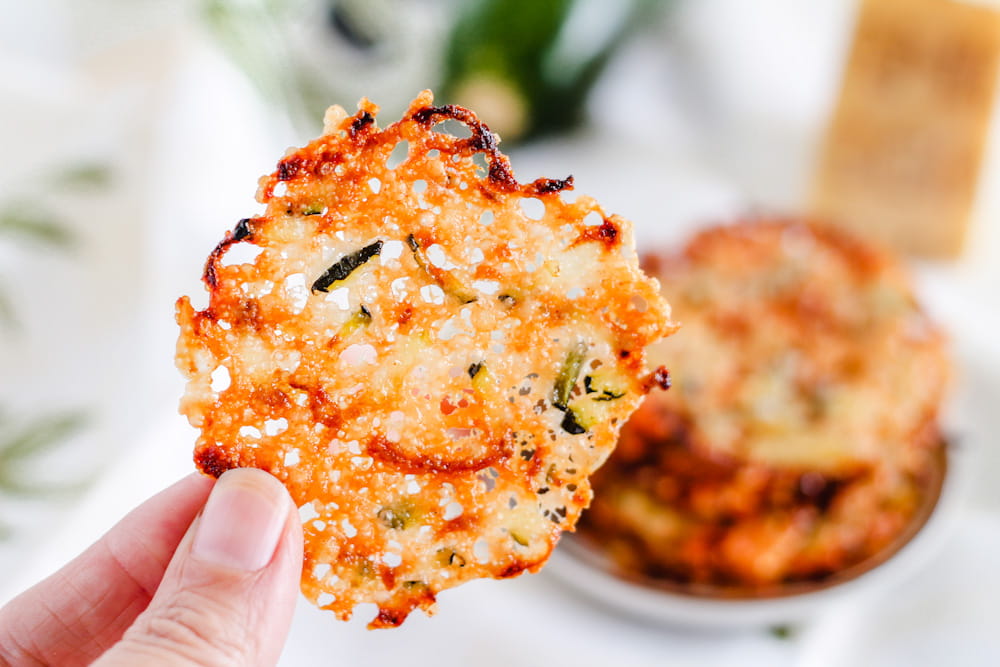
39 437
8 318
512 43
31 441
88 175
33 223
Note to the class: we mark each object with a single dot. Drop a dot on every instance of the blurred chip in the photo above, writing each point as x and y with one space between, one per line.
801 435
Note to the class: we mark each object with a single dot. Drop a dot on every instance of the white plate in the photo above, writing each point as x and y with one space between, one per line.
968 429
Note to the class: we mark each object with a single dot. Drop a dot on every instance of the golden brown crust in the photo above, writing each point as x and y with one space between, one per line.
801 431
393 351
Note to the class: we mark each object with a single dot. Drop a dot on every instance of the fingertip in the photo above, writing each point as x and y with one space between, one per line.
243 520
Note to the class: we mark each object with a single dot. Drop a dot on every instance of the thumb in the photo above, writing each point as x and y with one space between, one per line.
228 595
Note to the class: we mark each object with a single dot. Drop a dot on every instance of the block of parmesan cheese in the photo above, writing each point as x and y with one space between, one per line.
902 154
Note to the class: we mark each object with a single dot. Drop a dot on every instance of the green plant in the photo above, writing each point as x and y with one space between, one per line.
26 219
523 58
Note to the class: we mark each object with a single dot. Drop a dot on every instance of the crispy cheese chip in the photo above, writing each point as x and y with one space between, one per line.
430 355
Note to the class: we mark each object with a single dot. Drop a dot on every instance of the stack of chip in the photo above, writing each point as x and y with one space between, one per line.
801 438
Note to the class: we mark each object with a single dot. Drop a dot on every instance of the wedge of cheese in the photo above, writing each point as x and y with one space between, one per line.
903 152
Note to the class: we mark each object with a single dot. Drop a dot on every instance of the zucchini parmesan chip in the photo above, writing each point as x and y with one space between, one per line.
430 355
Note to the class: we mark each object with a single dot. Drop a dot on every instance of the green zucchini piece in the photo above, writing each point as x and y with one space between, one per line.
445 280
399 515
358 320
571 425
568 373
345 266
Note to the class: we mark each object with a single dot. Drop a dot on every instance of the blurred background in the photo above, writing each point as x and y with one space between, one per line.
134 132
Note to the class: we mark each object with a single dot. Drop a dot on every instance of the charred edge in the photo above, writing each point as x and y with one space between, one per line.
662 378
208 275
482 140
658 378
500 173
361 121
607 233
203 321
543 186
242 230
512 570
429 115
475 368
289 168
211 460
389 618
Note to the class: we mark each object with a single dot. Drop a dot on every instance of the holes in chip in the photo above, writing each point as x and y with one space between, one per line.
240 253
296 291
307 512
453 127
482 165
358 354
341 297
432 294
533 207
453 510
487 286
275 426
481 551
220 379
398 155
391 250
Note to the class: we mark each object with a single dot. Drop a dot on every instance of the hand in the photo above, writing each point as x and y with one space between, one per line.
167 587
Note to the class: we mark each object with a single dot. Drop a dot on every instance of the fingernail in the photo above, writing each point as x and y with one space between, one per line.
242 521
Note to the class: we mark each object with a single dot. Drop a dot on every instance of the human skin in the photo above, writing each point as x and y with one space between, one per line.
204 573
